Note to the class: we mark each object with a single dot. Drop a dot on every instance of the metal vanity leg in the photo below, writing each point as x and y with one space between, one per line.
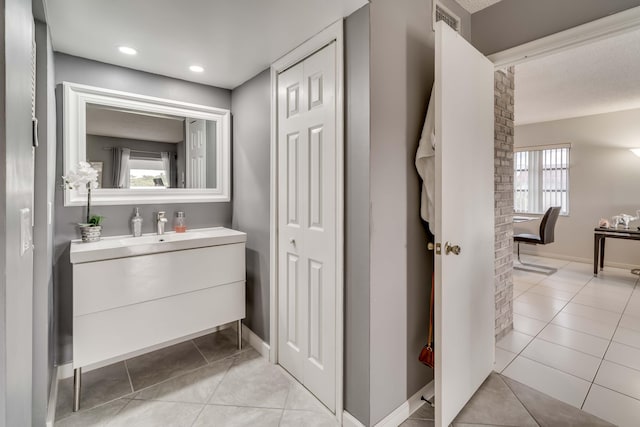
77 380
239 334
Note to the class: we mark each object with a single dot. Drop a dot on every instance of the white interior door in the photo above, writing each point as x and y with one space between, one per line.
464 294
307 223
196 153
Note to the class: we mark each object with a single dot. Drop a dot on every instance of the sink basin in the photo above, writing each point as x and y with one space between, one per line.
126 246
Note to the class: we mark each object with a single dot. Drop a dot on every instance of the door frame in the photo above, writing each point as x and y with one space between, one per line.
332 33
600 29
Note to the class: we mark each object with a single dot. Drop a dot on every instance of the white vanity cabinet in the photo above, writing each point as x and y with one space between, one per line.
175 287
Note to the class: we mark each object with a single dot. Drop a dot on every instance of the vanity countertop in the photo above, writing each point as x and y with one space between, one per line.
126 246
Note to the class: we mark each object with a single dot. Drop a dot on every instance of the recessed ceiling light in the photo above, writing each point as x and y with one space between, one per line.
196 69
127 50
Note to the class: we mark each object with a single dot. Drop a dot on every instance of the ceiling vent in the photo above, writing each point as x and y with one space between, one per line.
441 13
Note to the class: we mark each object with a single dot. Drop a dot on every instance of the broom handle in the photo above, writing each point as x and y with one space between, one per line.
431 313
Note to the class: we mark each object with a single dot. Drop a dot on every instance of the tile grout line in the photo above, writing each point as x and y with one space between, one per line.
200 351
198 416
220 383
545 326
286 400
608 346
126 368
118 412
535 420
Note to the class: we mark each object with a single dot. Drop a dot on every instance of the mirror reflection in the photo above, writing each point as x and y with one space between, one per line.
143 150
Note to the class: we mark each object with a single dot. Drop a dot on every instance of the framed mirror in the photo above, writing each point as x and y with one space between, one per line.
147 150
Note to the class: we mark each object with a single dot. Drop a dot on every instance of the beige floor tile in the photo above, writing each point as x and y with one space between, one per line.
234 416
624 355
619 378
555 383
148 413
514 341
580 341
503 358
617 408
562 358
527 325
583 324
627 337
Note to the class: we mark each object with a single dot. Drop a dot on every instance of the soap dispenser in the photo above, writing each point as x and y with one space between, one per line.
180 223
136 224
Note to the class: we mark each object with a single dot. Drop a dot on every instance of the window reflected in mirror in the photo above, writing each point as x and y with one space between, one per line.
144 150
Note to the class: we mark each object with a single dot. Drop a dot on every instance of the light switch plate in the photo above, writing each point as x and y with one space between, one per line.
26 241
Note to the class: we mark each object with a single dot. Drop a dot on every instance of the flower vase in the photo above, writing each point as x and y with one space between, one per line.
90 233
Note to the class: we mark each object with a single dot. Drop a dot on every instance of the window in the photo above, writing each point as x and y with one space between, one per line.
147 173
541 179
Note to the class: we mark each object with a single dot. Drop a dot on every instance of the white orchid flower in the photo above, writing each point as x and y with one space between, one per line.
85 176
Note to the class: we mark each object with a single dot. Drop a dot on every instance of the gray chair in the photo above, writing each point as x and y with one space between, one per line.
546 236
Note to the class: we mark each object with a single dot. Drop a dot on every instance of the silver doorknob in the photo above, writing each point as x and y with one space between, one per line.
448 248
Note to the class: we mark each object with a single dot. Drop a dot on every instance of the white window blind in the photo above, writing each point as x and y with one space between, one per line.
541 179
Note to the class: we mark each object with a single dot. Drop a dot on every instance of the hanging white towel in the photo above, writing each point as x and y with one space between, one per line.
426 165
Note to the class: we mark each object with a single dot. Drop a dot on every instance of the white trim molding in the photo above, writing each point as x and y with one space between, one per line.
53 398
404 411
333 33
76 98
255 341
599 29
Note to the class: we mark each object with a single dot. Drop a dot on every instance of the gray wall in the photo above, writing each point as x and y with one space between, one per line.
402 70
43 314
16 192
510 23
78 70
603 181
357 296
97 152
251 104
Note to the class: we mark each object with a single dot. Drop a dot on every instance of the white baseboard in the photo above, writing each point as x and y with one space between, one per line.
402 412
53 398
349 420
255 341
65 371
589 261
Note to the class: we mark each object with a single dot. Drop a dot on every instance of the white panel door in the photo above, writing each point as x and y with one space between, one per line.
196 153
307 223
464 294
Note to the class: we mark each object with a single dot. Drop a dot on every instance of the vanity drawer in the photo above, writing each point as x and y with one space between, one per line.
114 333
105 285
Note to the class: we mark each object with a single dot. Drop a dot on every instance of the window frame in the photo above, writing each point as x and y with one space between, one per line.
535 181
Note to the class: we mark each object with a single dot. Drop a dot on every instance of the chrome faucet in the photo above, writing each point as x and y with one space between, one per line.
162 220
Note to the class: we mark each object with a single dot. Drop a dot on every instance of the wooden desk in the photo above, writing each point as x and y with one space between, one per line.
600 234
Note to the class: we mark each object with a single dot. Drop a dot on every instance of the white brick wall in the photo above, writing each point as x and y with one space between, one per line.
504 85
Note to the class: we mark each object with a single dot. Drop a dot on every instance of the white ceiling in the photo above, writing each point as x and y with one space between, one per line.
124 124
596 78
232 39
472 6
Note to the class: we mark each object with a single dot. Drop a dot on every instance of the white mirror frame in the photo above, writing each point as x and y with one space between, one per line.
76 98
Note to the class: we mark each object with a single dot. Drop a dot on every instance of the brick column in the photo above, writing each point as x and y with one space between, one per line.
504 86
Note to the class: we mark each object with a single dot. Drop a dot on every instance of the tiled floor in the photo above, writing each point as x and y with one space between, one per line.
208 382
204 382
576 338
501 401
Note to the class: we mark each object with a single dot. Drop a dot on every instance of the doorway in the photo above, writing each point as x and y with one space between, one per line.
307 184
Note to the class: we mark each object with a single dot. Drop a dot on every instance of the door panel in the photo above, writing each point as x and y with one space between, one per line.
307 222
464 293
196 153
